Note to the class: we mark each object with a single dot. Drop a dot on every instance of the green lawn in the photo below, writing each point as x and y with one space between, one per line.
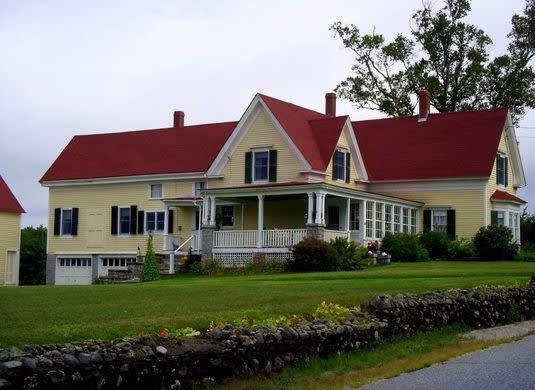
50 314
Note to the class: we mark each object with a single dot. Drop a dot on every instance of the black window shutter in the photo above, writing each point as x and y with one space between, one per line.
57 221
248 167
497 169
427 220
348 167
140 222
506 171
334 164
114 217
493 217
272 165
74 230
450 228
170 221
133 219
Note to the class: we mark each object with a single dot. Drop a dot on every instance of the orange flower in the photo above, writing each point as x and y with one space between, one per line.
164 332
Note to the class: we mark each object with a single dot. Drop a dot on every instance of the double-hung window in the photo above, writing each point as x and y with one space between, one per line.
154 221
261 165
156 191
439 220
340 165
501 170
227 216
124 220
354 216
66 222
199 187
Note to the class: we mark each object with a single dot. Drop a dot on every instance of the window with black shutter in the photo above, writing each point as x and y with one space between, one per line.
66 222
341 164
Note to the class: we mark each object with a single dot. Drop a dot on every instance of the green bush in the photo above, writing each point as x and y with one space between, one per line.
314 255
527 230
196 268
495 242
351 256
150 270
525 256
404 247
461 249
436 243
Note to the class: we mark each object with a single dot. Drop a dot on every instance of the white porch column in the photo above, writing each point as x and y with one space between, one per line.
166 245
310 207
318 209
212 211
204 214
322 213
348 215
172 263
362 220
259 233
374 211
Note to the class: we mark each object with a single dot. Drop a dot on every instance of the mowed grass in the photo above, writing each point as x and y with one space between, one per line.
53 314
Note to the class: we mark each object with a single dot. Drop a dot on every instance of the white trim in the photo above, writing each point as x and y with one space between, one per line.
125 179
159 232
253 165
15 273
242 128
435 185
162 196
356 156
252 250
119 234
514 153
61 223
80 254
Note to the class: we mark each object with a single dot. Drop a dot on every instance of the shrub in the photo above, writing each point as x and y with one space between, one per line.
195 267
436 244
351 256
525 256
149 270
404 247
495 242
527 230
314 255
461 249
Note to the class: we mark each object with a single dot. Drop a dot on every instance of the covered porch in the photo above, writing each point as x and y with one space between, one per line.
241 223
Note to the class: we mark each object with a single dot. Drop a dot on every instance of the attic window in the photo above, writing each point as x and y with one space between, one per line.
341 164
156 191
501 170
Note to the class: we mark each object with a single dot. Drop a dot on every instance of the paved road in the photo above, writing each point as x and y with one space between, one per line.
508 366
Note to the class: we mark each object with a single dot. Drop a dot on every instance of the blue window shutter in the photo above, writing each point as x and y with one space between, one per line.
248 167
74 228
273 165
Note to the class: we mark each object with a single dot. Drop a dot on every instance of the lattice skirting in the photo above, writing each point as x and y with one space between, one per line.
242 259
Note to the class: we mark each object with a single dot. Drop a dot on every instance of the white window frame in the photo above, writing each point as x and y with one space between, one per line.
197 190
511 219
501 156
161 190
439 210
397 225
253 168
88 260
61 223
119 233
344 152
145 221
354 217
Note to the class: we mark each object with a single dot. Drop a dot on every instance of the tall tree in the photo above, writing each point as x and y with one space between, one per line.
447 56
32 255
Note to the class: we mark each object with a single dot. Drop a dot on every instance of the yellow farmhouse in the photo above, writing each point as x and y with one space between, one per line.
228 191
10 210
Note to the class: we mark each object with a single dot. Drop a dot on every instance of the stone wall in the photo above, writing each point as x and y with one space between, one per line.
154 362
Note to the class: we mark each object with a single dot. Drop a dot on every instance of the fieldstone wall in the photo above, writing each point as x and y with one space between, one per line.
154 362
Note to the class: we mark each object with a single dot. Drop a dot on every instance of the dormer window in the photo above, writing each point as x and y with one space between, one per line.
501 170
261 166
341 164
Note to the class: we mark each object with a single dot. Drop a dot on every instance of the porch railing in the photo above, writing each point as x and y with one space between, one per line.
329 235
235 239
282 238
171 242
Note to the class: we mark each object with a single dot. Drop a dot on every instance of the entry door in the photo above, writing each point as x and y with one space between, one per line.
333 217
12 268
95 228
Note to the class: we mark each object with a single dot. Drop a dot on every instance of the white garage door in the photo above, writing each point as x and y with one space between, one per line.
73 270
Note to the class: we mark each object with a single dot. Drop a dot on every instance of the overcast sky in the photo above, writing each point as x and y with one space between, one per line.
74 67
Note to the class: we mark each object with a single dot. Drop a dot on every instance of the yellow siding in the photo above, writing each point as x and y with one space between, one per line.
94 221
261 132
342 143
468 205
9 239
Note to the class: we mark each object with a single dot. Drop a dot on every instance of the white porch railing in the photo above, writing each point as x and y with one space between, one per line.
329 235
235 239
282 238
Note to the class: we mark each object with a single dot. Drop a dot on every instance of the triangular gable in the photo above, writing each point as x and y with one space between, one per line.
8 202
514 153
256 106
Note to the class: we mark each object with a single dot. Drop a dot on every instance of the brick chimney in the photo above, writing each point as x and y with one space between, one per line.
330 104
178 119
424 100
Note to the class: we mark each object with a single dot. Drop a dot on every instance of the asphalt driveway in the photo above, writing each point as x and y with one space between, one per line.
507 366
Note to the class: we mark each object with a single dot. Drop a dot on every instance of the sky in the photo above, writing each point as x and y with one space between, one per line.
80 67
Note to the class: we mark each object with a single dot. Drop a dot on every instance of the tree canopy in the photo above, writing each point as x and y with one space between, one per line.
447 56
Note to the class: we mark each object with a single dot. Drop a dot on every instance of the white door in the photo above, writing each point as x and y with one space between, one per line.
73 270
12 268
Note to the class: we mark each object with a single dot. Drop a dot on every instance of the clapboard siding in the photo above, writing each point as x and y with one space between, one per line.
9 239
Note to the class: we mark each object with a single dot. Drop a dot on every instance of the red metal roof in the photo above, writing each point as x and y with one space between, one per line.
453 144
315 134
8 202
502 195
159 151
